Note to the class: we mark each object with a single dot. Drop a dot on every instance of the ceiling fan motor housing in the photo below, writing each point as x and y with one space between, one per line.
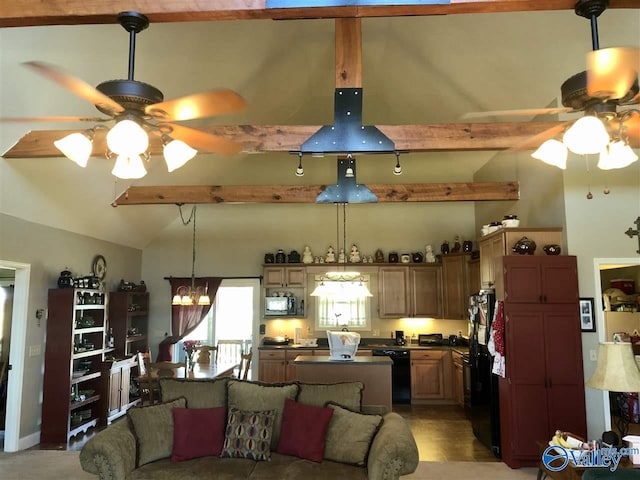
131 94
574 93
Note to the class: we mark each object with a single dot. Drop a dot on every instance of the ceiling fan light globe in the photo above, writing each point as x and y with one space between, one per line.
552 152
617 155
129 167
586 136
177 153
76 147
127 137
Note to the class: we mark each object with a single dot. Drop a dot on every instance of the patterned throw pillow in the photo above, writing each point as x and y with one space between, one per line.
248 434
350 435
153 430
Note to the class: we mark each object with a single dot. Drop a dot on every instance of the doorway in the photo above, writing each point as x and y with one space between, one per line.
15 372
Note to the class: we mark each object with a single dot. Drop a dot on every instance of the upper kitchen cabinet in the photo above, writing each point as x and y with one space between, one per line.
535 279
456 280
410 291
501 242
284 277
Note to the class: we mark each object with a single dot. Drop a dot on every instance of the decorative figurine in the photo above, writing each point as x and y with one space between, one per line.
456 245
429 255
379 256
393 257
371 259
307 256
354 255
331 255
467 246
444 248
342 257
293 257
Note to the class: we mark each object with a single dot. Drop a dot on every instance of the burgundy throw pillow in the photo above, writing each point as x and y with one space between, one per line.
197 432
304 428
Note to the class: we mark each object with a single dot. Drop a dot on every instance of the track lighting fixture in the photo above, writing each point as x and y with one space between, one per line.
299 170
349 171
397 170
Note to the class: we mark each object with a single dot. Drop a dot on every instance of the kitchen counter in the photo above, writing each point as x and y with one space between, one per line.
308 359
372 346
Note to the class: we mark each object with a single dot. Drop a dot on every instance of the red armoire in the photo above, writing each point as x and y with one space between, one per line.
543 390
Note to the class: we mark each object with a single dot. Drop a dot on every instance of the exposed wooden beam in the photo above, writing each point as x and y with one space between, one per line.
75 12
411 192
287 138
348 58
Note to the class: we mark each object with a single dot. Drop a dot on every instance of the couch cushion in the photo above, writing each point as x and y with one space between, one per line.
304 430
256 396
197 432
350 435
153 428
347 394
283 467
199 393
248 434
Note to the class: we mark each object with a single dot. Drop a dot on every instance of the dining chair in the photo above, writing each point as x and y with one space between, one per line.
204 354
229 351
245 364
147 387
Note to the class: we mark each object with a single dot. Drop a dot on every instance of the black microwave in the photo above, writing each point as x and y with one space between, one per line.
277 306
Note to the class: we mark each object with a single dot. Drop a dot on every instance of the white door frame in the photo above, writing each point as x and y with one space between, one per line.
597 263
16 354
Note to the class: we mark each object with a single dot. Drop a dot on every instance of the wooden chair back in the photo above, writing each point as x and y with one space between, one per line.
204 354
148 387
229 351
245 364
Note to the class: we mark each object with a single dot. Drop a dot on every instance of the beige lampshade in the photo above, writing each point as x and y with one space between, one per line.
617 370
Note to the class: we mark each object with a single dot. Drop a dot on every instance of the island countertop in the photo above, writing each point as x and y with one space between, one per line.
357 360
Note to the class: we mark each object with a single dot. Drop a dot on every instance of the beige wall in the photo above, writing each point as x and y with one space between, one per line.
48 251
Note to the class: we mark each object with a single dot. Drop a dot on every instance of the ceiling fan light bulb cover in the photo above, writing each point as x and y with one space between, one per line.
617 155
553 153
76 147
587 136
127 137
129 167
177 153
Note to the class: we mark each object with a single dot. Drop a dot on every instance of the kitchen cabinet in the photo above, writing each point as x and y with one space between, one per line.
456 282
500 242
410 291
532 279
129 319
272 366
73 390
473 275
428 374
118 375
458 378
538 397
290 280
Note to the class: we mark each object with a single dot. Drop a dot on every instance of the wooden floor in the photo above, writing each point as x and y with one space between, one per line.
442 433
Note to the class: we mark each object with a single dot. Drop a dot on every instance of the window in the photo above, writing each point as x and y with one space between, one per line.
336 313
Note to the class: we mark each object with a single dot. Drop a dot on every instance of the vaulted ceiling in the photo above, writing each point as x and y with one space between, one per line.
415 70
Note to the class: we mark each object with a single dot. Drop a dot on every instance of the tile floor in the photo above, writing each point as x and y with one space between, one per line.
444 434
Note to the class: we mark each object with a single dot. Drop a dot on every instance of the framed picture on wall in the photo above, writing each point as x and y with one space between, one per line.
587 317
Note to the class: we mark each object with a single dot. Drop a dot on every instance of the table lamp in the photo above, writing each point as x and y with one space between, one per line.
617 371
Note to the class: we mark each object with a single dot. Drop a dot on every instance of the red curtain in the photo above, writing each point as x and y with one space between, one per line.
185 318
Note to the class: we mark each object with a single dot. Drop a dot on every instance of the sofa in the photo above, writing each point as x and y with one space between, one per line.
236 429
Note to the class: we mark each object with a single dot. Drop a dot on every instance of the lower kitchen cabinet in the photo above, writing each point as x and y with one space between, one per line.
272 366
428 374
119 374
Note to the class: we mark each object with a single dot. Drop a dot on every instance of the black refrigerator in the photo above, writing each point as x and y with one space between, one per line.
485 401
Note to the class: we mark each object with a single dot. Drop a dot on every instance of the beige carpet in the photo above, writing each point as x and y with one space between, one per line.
55 464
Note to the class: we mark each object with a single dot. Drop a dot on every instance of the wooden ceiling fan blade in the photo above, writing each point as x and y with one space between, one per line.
202 141
53 119
75 85
516 113
611 72
198 105
537 140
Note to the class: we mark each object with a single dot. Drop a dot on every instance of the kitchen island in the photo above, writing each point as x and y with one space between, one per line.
373 372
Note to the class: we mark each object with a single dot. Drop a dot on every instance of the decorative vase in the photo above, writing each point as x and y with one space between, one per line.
191 362
524 246
552 249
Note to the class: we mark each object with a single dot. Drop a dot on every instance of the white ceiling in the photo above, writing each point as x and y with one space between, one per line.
415 70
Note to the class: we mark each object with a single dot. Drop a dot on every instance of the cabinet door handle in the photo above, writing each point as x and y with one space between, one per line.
540 299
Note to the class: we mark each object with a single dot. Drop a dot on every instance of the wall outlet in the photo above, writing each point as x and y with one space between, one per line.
593 355
34 350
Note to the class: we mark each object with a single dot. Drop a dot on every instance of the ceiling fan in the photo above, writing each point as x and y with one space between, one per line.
610 81
139 109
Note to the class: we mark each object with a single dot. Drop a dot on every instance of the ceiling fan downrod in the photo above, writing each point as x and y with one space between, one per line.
134 23
592 9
